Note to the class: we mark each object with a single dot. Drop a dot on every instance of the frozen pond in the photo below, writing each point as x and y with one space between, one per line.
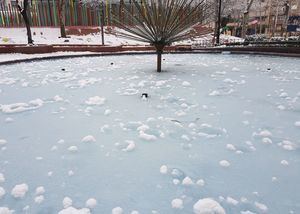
76 135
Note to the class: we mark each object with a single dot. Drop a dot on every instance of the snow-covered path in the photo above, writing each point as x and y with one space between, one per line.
76 135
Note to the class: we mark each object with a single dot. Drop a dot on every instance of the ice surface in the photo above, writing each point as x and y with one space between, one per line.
2 192
79 129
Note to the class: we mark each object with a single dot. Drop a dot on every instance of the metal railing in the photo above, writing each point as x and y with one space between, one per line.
265 44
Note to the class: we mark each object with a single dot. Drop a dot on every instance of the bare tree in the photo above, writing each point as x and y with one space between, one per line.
246 17
98 5
61 14
161 22
286 12
227 7
23 11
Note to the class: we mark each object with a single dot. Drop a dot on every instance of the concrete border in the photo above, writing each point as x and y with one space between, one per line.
149 52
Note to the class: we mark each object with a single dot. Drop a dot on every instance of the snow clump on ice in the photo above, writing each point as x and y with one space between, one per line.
95 101
2 142
224 163
91 203
39 199
186 83
67 202
2 178
130 146
20 190
163 169
297 124
287 145
88 139
40 190
2 192
208 206
147 137
177 203
6 210
117 210
20 107
261 206
187 181
72 210
73 149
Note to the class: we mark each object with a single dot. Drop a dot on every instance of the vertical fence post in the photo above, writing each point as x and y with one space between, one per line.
1 16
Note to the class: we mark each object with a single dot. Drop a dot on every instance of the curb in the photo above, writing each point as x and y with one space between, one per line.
202 51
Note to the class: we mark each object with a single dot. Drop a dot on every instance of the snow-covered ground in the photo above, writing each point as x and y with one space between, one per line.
51 36
19 56
218 133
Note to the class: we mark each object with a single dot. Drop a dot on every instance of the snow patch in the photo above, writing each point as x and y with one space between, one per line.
261 206
91 203
200 182
265 133
73 149
9 120
186 83
147 137
39 199
40 190
284 163
2 142
88 139
266 140
21 107
143 128
73 210
232 201
187 181
117 210
107 112
19 191
130 146
230 147
163 169
67 202
2 193
177 203
6 210
208 206
95 101
287 145
224 163
57 98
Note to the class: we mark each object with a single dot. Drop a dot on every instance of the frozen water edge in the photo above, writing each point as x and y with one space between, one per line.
196 108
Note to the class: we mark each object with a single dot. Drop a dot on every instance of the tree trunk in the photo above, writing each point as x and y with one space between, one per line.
28 29
62 30
159 61
286 19
276 19
245 18
61 12
245 24
219 22
102 22
159 51
269 17
24 14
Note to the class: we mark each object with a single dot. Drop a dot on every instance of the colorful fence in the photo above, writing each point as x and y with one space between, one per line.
45 13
